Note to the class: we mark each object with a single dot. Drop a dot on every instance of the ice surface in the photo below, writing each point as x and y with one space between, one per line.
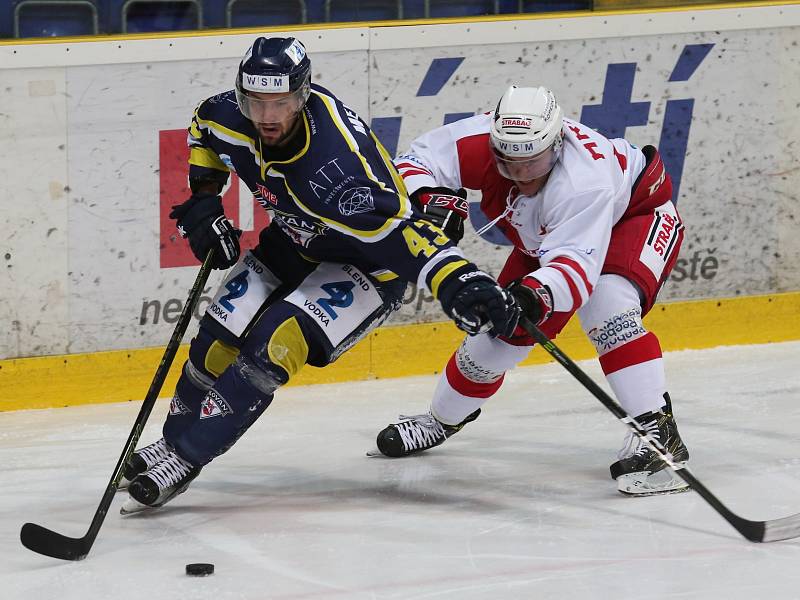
517 505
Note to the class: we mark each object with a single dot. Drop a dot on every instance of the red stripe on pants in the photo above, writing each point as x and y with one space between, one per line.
633 353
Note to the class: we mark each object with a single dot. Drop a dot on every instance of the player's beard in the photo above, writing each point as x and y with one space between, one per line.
278 134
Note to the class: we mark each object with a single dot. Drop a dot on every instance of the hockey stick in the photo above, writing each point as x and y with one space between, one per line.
755 531
48 542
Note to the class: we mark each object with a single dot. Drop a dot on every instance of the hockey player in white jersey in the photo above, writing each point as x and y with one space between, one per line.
594 232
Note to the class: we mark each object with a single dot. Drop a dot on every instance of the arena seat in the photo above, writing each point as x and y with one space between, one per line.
254 13
55 18
461 8
363 10
161 15
533 6
414 9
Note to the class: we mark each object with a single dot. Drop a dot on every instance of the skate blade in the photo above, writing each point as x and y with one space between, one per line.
645 483
132 507
123 484
375 453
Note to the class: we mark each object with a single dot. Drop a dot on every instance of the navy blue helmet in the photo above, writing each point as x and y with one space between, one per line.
273 66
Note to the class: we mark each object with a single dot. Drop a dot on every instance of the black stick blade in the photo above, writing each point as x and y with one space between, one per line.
44 541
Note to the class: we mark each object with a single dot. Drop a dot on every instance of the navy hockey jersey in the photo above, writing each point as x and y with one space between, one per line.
338 197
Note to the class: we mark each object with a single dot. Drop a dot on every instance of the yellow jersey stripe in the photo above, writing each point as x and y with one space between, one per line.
398 180
194 130
351 141
385 276
444 272
231 136
205 157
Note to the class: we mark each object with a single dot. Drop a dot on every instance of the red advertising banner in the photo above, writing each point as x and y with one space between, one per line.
173 156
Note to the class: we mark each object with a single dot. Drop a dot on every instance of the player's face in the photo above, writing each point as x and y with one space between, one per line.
274 115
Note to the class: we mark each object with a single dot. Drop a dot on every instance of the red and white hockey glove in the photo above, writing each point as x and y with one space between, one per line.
535 301
445 208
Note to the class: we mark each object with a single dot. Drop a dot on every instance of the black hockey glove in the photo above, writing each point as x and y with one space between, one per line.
445 208
477 304
536 304
534 298
203 221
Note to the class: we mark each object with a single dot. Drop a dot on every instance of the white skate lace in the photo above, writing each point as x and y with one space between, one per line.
169 471
419 431
154 453
634 445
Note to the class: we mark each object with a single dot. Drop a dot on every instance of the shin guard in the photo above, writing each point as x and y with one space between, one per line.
229 408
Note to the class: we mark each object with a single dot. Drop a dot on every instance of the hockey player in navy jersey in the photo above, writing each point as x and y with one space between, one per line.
594 232
333 264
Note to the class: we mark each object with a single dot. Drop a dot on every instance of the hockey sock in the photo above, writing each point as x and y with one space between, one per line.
635 372
472 375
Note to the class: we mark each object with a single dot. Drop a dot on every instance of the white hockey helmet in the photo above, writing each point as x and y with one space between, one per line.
526 133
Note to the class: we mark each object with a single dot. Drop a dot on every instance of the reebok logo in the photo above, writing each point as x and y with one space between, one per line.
471 275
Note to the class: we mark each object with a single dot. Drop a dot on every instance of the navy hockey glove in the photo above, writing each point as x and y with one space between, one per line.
477 304
536 304
203 221
445 208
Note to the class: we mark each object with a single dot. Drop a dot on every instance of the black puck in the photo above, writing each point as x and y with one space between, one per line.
200 569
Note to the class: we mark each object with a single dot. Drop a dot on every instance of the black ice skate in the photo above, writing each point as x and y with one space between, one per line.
639 471
141 460
160 484
415 434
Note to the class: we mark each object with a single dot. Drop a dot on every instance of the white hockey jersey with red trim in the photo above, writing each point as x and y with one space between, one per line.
566 225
